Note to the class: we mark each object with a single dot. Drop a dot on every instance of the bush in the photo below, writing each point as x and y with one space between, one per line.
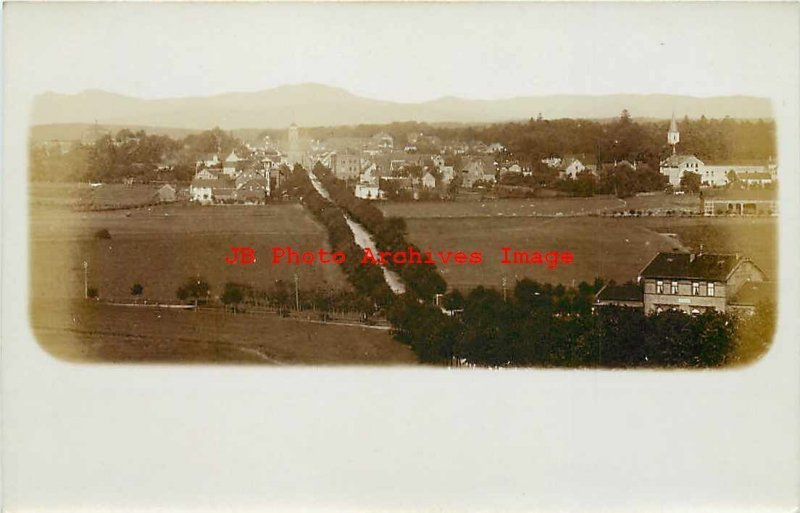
102 233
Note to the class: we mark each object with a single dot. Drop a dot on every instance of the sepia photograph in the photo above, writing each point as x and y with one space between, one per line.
544 249
305 224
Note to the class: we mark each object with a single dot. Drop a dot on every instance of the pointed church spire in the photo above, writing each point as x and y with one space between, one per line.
673 136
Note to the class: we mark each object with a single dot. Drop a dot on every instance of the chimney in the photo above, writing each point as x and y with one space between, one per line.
691 257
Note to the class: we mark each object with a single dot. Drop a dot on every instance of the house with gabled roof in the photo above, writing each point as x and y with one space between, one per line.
675 166
231 164
693 282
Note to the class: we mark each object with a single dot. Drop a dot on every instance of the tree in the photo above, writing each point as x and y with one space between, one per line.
232 295
194 289
690 182
137 289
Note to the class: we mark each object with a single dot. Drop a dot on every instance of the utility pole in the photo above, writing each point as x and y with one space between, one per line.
85 279
505 295
296 292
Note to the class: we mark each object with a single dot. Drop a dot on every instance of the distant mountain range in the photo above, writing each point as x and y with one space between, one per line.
320 105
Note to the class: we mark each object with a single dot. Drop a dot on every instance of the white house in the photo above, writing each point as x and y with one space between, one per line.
675 166
202 191
570 168
429 181
229 167
368 191
448 173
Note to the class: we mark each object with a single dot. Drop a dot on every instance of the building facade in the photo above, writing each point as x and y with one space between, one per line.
694 283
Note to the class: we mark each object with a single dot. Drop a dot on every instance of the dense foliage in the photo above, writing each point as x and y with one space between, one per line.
547 326
129 154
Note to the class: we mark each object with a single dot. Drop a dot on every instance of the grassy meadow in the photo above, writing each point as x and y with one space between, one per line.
160 247
78 330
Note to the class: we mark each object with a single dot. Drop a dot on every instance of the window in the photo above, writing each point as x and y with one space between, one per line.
673 289
659 287
710 289
695 289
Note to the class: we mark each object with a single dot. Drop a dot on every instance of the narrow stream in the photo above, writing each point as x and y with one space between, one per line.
363 239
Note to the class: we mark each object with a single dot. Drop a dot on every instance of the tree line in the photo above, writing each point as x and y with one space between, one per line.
128 154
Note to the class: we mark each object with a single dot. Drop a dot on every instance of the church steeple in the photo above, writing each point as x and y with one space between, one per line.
673 136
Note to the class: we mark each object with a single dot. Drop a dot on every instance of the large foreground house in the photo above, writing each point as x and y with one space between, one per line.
692 283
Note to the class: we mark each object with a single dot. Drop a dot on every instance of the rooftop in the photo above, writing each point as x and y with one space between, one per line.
626 292
703 266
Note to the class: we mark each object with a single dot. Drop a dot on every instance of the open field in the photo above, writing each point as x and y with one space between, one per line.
611 248
83 196
80 330
473 206
162 246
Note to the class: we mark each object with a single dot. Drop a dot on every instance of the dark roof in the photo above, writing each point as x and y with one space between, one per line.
625 292
754 292
677 160
684 265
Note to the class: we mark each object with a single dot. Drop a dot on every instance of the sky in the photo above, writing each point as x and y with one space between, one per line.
411 52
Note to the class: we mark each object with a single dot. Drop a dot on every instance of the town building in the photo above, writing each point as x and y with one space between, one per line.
428 181
694 283
477 169
231 163
675 166
368 191
295 152
345 165
691 283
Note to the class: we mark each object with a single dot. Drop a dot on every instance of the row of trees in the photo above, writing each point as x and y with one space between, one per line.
129 154
390 234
